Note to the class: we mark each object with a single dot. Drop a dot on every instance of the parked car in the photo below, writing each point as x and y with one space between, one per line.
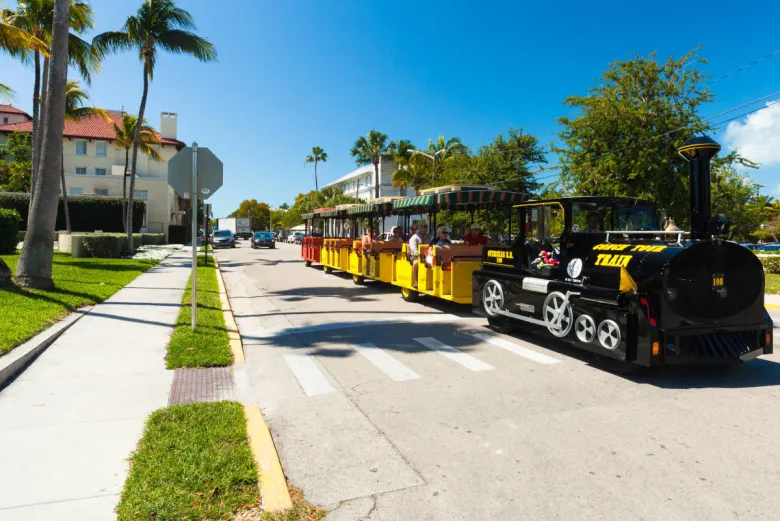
295 238
263 239
223 239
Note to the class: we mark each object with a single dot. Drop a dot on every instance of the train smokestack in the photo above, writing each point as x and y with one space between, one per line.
699 151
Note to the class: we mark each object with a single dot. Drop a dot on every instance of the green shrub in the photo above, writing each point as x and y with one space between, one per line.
87 213
9 231
149 239
105 246
771 265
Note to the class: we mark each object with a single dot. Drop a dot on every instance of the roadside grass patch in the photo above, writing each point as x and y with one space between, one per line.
209 346
193 462
79 282
301 511
772 283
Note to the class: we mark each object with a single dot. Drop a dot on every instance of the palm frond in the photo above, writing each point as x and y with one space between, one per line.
178 17
19 43
81 16
185 42
112 41
6 92
83 56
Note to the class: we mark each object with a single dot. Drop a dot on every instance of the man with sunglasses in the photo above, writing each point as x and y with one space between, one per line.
442 237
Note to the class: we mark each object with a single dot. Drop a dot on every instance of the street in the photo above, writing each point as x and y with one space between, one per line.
389 410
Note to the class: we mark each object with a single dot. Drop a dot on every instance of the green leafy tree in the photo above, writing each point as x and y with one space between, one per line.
623 140
16 163
159 25
370 150
259 213
736 197
318 155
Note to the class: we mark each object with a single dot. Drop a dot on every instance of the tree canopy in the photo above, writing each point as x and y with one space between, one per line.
259 213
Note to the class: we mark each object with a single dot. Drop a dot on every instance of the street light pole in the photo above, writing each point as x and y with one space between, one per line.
431 157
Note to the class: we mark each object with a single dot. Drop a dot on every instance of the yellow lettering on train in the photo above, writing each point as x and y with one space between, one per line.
498 256
613 261
611 247
648 248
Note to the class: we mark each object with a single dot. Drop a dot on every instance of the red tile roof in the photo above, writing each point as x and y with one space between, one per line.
10 109
90 127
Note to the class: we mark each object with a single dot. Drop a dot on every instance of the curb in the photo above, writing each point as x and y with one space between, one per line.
15 362
772 306
273 486
230 322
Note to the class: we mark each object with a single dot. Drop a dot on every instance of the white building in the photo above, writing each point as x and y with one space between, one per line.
360 183
94 164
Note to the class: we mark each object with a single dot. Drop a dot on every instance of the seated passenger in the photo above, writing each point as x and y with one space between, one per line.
474 236
420 237
442 237
396 236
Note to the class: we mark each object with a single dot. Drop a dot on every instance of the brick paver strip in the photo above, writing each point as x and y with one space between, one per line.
210 384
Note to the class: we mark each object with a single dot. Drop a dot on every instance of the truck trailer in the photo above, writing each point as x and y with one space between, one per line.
240 226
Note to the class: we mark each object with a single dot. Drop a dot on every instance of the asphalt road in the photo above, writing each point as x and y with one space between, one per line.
387 410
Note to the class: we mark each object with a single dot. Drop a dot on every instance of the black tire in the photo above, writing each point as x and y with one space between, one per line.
327 269
233 245
273 246
409 295
308 264
502 324
358 279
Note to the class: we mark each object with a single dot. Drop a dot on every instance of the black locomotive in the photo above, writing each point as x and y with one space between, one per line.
600 273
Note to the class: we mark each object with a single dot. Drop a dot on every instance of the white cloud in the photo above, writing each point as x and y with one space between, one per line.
776 192
758 136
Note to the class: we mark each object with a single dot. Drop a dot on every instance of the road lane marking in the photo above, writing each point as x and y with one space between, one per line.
517 349
309 376
467 361
397 371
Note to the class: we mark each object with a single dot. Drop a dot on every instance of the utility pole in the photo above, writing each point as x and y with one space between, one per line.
194 206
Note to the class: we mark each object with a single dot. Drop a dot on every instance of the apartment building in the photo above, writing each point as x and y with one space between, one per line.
95 165
11 114
360 183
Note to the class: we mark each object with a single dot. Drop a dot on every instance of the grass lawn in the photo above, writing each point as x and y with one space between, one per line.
209 346
194 463
23 313
772 283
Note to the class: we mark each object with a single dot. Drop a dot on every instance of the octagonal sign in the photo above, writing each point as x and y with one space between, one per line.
209 172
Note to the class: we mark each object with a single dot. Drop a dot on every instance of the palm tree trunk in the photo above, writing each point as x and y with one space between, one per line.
65 195
316 186
376 180
35 261
124 191
44 94
35 129
136 141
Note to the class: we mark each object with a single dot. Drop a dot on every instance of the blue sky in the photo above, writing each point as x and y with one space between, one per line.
295 74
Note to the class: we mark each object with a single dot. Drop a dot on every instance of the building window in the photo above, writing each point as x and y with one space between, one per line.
75 191
5 121
81 170
402 191
101 191
100 171
81 148
101 147
143 195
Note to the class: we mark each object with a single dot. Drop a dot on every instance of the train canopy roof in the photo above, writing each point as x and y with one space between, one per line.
458 197
382 206
595 199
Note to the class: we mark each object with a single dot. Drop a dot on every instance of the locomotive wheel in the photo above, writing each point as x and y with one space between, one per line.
409 295
358 279
559 317
308 264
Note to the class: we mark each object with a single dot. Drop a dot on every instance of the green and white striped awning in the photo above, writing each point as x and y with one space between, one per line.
366 210
463 200
306 216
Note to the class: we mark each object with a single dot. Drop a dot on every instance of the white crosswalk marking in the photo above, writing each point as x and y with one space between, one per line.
517 349
384 362
467 361
312 381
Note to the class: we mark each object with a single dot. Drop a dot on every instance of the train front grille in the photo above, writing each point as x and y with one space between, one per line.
726 344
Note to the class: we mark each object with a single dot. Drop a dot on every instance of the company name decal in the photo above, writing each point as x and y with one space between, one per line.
498 256
614 261
629 247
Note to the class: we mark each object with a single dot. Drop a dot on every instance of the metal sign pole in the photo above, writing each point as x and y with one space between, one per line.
194 205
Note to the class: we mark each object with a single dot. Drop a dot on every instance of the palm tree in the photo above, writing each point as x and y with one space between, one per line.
370 150
158 25
317 155
35 262
402 157
125 137
439 150
6 92
75 97
34 17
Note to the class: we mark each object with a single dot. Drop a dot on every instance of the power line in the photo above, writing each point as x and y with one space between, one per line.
746 66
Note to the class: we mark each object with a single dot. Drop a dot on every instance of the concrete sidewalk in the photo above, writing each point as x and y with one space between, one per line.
70 421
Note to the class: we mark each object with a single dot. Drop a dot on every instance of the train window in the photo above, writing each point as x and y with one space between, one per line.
546 223
640 217
590 217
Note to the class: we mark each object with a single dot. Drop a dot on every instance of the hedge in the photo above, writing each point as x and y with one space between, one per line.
105 246
9 230
771 264
87 213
